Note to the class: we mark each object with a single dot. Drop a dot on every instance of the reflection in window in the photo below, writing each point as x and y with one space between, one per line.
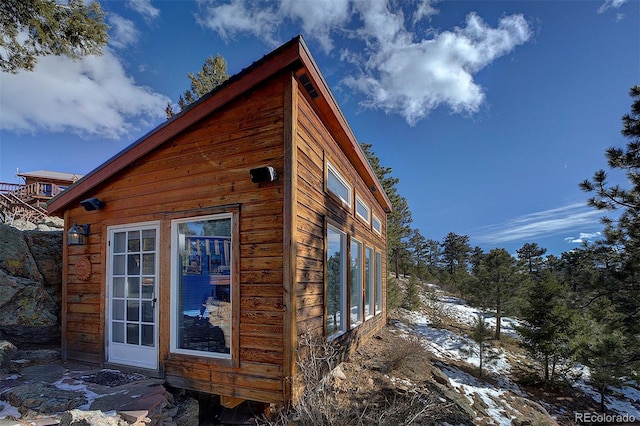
355 283
203 294
378 282
336 281
368 279
338 185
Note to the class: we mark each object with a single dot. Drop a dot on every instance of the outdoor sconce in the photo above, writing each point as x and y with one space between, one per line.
92 204
263 174
77 234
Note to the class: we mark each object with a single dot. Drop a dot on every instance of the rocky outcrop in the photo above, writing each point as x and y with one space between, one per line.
30 285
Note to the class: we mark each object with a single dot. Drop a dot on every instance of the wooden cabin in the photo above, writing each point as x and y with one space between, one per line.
204 250
42 185
27 201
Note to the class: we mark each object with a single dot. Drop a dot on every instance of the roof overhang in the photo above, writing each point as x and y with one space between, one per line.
293 55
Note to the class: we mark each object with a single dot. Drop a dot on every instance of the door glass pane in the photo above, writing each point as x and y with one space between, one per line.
204 259
133 287
118 310
133 331
133 241
148 287
149 240
118 287
147 311
147 335
148 264
119 243
118 265
117 332
133 264
133 307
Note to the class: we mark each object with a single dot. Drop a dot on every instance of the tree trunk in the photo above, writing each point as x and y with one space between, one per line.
553 366
481 346
397 262
546 367
498 316
603 406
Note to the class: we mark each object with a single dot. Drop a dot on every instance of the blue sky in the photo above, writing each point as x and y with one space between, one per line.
489 112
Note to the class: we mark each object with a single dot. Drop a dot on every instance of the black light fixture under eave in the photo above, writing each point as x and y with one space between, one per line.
77 234
263 174
92 204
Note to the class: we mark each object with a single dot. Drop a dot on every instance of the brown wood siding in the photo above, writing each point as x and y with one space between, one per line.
314 145
203 168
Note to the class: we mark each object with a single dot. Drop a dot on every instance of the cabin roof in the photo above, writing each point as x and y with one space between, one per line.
293 55
50 175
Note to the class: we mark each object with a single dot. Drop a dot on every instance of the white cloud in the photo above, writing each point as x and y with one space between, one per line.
123 32
608 4
318 18
584 237
91 96
539 224
145 8
398 71
440 69
425 9
239 16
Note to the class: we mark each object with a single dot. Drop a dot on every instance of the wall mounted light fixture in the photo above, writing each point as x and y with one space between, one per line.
263 174
77 234
92 204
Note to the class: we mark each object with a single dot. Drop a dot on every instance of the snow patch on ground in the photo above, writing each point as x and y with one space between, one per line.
449 346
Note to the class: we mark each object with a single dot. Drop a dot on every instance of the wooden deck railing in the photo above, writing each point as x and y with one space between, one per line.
33 190
9 187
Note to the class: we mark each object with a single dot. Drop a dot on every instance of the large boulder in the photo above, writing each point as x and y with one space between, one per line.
15 255
30 286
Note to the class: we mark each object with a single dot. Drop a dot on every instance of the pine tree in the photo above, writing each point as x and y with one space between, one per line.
547 325
212 75
412 295
618 256
531 255
33 28
480 333
498 276
455 255
399 220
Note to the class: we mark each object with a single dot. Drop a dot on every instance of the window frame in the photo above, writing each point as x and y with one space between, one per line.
342 309
175 269
369 282
338 176
378 283
360 202
376 219
359 280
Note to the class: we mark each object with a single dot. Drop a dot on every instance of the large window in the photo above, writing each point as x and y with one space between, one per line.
336 281
368 280
378 282
355 283
202 289
338 185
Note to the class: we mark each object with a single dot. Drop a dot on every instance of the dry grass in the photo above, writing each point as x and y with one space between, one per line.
386 382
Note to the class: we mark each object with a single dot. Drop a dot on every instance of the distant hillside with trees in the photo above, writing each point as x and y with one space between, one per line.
582 306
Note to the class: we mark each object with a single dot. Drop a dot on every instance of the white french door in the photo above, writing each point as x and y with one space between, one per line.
132 312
